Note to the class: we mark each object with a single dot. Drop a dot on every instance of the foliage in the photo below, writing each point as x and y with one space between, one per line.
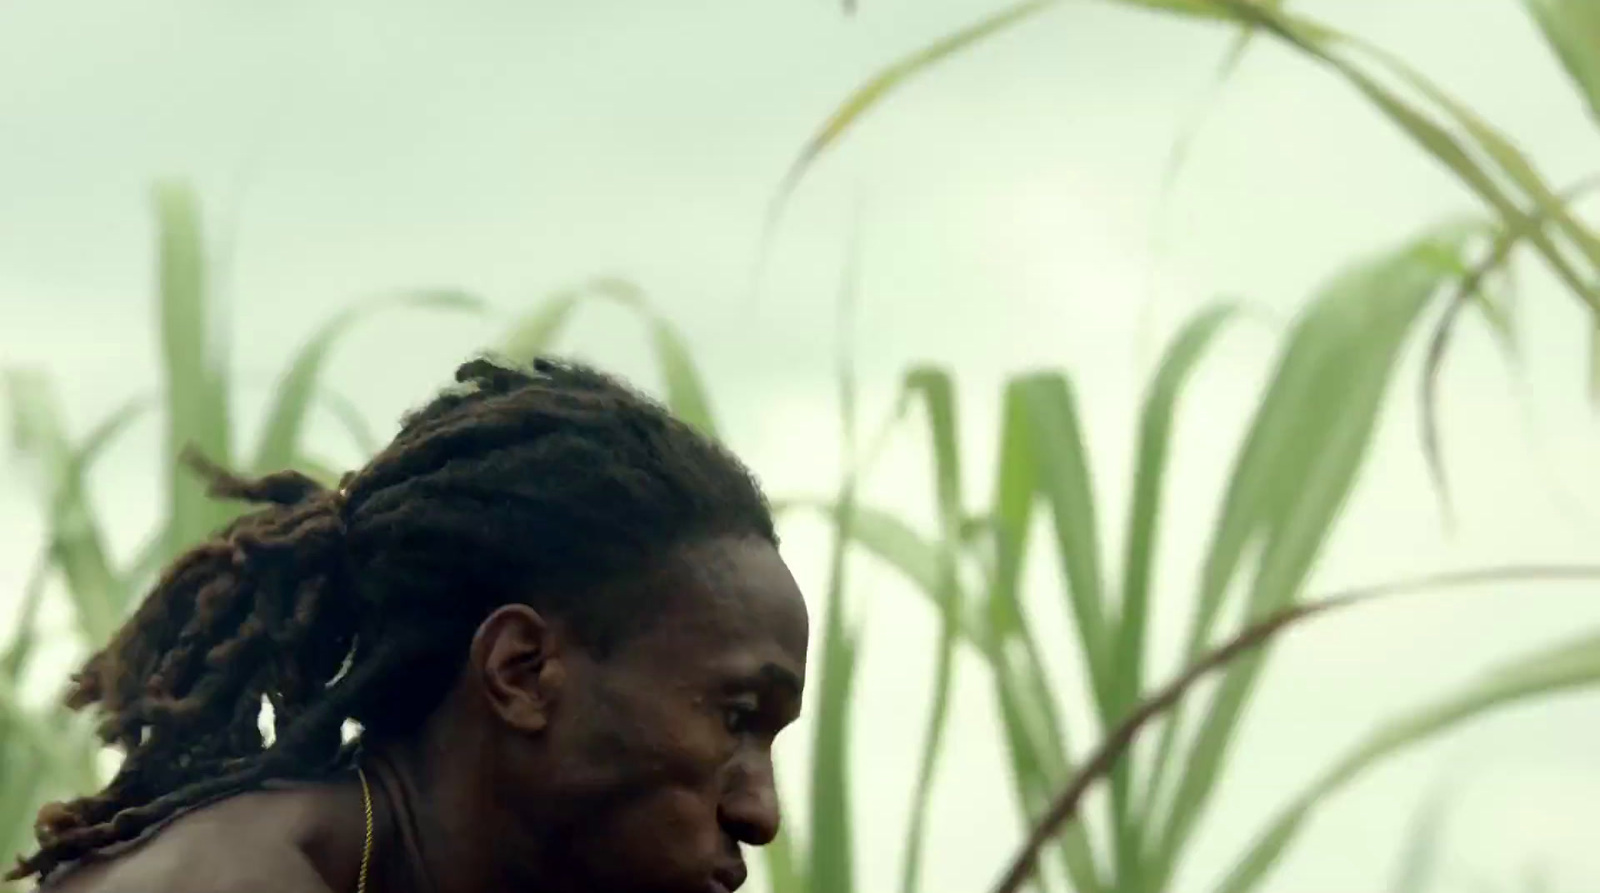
1291 477
1289 481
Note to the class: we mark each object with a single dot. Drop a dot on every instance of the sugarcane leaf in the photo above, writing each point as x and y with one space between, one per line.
298 388
1572 666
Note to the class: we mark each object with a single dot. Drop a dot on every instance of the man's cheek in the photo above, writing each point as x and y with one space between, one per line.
669 840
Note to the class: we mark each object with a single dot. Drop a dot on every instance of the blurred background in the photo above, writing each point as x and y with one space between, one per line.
983 214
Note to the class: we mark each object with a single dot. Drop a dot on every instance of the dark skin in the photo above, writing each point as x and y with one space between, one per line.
546 768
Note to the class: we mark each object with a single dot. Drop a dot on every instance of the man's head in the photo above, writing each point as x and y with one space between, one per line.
572 592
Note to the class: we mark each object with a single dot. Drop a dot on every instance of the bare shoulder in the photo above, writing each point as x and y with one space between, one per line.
246 845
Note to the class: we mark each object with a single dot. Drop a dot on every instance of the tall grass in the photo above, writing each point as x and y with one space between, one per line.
1305 445
1290 479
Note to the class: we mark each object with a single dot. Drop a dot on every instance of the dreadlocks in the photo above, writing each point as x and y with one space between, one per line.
536 485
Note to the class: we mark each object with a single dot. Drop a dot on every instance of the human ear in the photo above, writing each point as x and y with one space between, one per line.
516 657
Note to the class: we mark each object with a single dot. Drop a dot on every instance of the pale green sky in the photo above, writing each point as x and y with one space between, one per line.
1005 207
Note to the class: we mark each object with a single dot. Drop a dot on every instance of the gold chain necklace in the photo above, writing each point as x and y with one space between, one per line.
366 848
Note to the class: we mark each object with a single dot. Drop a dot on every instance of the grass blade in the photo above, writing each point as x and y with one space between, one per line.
1290 480
536 332
74 541
686 395
1572 28
784 864
938 396
1064 483
77 545
14 659
354 421
891 79
1036 742
280 438
1063 812
1571 666
1319 42
831 866
194 360
1127 668
886 82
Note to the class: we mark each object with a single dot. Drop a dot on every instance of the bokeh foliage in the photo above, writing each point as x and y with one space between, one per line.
1300 458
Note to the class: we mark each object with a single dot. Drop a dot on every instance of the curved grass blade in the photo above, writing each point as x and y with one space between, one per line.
1290 479
1572 666
74 541
354 421
14 659
1036 741
1064 483
1127 666
1064 810
1472 291
831 864
1179 152
100 595
195 365
686 393
536 332
1319 42
889 80
293 396
1584 657
1572 28
885 536
886 82
937 393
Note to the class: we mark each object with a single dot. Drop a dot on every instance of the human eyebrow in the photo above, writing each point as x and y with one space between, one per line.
782 678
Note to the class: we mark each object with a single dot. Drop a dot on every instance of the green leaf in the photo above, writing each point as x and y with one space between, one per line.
686 394
533 334
889 80
783 864
353 420
195 362
1571 666
74 542
1572 27
14 659
1036 742
77 545
1321 42
1138 568
686 391
281 436
1292 477
832 866
937 392
1064 483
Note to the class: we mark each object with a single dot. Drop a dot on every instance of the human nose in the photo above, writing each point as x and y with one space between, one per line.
750 811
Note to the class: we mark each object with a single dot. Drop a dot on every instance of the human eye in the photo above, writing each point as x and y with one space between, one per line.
741 717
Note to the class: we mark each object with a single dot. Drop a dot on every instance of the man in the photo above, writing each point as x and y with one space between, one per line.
557 618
